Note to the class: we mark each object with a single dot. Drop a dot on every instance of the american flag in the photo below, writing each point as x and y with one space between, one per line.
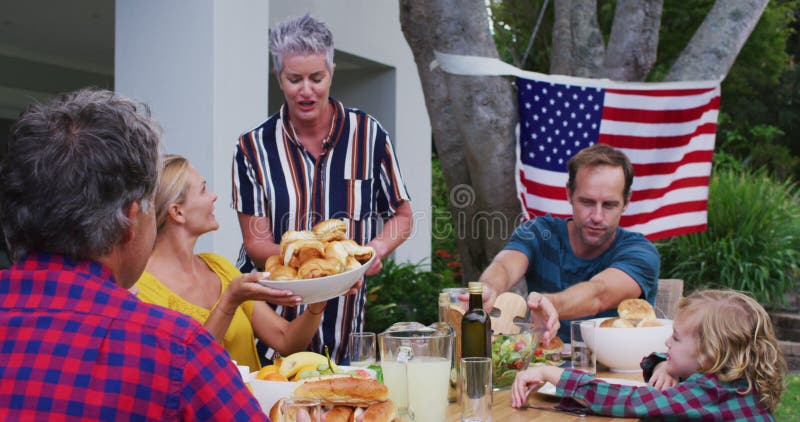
667 131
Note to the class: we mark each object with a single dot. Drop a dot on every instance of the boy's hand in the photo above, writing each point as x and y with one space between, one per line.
660 379
530 379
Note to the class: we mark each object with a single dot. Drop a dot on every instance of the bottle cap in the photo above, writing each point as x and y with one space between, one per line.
444 299
475 287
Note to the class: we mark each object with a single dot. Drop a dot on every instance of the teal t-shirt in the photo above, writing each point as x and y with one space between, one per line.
553 266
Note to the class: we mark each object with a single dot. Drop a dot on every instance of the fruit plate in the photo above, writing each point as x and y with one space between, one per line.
268 392
314 290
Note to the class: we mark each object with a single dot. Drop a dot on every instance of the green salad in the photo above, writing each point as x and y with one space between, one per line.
510 354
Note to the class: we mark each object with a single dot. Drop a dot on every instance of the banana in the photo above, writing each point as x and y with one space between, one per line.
291 365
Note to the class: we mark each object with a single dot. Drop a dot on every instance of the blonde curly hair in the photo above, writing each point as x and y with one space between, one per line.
736 340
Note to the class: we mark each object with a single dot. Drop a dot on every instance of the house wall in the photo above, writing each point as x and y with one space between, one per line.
202 65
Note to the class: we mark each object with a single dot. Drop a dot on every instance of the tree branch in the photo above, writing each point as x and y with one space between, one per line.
632 46
715 45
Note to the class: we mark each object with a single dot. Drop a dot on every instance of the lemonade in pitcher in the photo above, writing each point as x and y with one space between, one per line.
416 361
428 380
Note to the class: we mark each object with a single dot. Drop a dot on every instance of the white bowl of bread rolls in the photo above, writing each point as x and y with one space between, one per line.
318 264
623 341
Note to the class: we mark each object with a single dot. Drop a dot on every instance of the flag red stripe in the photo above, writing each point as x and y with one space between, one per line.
658 116
689 182
545 191
665 211
669 168
660 92
677 232
651 142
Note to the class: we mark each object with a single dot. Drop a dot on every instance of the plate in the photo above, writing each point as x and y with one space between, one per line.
550 389
268 392
314 290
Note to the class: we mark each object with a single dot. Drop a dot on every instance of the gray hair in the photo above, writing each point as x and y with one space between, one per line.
73 167
303 35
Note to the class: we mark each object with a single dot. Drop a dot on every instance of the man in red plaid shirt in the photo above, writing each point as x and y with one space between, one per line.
75 204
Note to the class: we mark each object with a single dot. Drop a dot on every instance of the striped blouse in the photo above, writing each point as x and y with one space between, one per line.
356 179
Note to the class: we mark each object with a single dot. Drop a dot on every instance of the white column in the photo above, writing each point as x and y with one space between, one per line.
202 67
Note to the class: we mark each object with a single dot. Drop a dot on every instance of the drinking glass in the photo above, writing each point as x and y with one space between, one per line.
476 389
362 349
582 336
301 410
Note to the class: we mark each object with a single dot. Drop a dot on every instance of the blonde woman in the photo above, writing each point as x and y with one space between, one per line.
206 286
723 359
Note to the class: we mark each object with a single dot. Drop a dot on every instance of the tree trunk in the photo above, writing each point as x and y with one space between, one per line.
473 120
715 45
578 47
632 46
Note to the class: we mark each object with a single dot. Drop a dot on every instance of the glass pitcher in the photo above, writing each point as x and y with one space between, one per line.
415 361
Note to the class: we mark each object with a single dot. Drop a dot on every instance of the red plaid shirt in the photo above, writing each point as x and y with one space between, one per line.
74 345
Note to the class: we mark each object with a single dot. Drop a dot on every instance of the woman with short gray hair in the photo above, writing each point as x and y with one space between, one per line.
316 160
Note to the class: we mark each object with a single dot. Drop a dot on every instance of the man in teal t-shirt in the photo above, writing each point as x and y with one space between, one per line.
584 266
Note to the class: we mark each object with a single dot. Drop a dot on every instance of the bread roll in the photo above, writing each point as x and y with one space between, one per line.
272 262
339 414
380 412
283 273
342 390
337 250
649 323
556 345
351 264
635 310
291 236
276 412
301 251
616 323
360 253
330 230
319 267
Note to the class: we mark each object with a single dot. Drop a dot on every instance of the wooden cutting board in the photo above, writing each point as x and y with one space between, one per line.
512 307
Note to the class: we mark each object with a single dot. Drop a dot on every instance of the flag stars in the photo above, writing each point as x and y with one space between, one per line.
541 147
529 87
558 94
528 106
590 97
552 101
581 106
535 117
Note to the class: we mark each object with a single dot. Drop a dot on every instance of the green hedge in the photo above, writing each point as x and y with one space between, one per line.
752 242
403 292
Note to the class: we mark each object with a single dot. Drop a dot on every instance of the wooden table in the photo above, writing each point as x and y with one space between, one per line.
502 410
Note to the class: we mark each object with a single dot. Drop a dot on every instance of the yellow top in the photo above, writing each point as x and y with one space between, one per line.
239 340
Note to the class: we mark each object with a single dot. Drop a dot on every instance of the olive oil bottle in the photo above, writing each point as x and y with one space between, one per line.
476 327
